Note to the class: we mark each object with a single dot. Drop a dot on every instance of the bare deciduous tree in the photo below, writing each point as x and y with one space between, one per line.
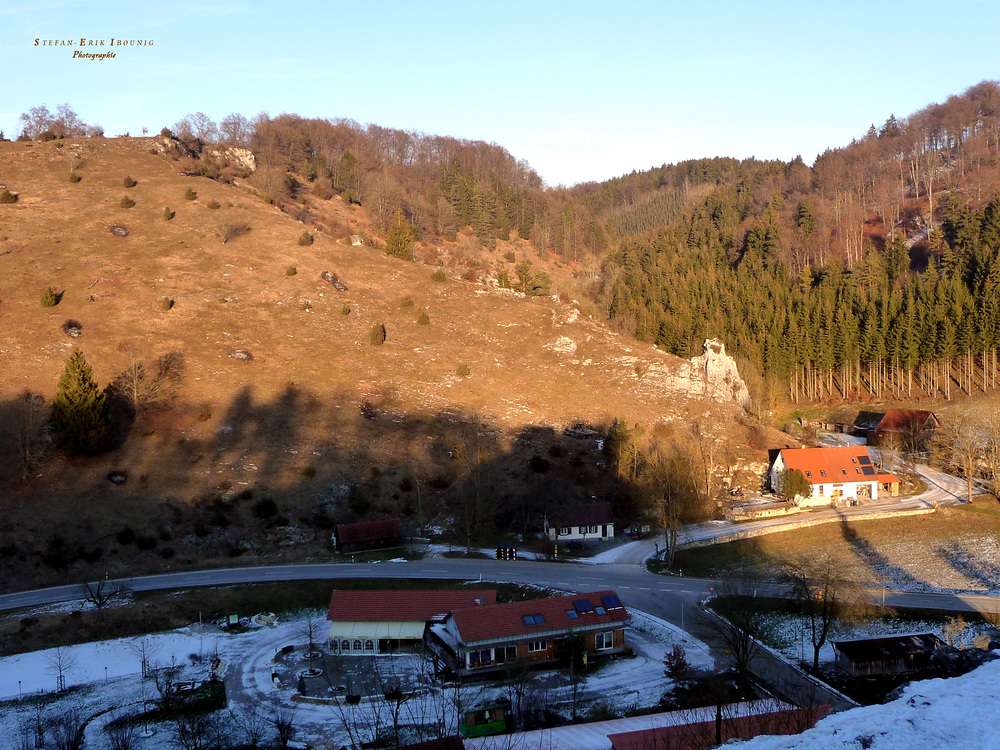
141 387
59 661
251 723
230 230
284 723
739 621
821 585
102 593
123 732
67 730
22 433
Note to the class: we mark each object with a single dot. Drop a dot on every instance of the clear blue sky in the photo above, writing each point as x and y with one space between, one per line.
581 90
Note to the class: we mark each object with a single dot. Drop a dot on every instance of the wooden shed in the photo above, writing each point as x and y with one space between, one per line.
894 654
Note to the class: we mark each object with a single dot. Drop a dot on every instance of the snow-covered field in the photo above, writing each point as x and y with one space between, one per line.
792 638
105 678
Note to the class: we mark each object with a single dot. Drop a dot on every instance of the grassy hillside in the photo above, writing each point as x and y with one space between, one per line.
262 456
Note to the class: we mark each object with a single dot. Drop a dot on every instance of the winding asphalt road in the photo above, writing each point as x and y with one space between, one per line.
671 598
674 599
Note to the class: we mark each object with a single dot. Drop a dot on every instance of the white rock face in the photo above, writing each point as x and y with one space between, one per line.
712 376
562 345
717 373
243 157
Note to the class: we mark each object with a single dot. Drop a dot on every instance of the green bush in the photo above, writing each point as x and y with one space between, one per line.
305 239
50 297
463 371
168 214
376 336
74 177
407 301
127 202
438 275
190 195
166 303
129 182
345 310
423 319
7 197
213 205
509 256
291 271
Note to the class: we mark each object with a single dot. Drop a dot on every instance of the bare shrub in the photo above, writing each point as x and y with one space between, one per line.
230 230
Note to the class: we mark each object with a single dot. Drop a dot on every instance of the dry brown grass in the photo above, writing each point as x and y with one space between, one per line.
244 424
954 548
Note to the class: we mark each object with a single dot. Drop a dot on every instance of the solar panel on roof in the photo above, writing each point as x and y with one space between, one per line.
868 471
611 601
583 605
864 460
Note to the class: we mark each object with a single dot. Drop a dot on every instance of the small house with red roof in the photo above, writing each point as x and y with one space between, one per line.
581 522
532 633
379 622
368 535
845 474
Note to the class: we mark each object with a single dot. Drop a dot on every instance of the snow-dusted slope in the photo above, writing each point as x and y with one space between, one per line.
943 714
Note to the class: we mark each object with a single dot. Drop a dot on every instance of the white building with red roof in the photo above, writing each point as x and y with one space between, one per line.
844 474
487 639
378 622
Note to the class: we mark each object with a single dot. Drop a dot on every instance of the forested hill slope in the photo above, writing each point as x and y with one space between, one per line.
875 273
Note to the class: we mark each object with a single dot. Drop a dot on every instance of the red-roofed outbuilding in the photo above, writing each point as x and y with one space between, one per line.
368 622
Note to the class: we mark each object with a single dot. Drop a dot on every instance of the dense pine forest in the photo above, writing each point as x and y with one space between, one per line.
875 273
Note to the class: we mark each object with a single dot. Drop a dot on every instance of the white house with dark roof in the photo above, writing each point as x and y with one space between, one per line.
581 522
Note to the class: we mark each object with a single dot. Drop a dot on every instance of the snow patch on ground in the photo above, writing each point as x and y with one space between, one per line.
957 714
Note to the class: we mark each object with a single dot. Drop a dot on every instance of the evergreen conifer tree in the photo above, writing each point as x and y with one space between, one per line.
399 241
81 420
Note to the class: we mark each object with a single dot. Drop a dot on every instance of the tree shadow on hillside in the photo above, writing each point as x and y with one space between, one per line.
970 565
885 571
272 477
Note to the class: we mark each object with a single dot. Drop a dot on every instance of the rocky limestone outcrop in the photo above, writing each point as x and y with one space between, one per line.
712 376
717 370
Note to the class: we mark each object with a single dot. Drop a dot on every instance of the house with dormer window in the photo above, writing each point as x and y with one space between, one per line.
844 475
532 633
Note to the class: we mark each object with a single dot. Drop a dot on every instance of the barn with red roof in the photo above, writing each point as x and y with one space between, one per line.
841 475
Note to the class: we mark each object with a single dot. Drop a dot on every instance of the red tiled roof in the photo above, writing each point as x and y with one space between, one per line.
368 531
507 620
701 735
404 606
826 465
900 420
